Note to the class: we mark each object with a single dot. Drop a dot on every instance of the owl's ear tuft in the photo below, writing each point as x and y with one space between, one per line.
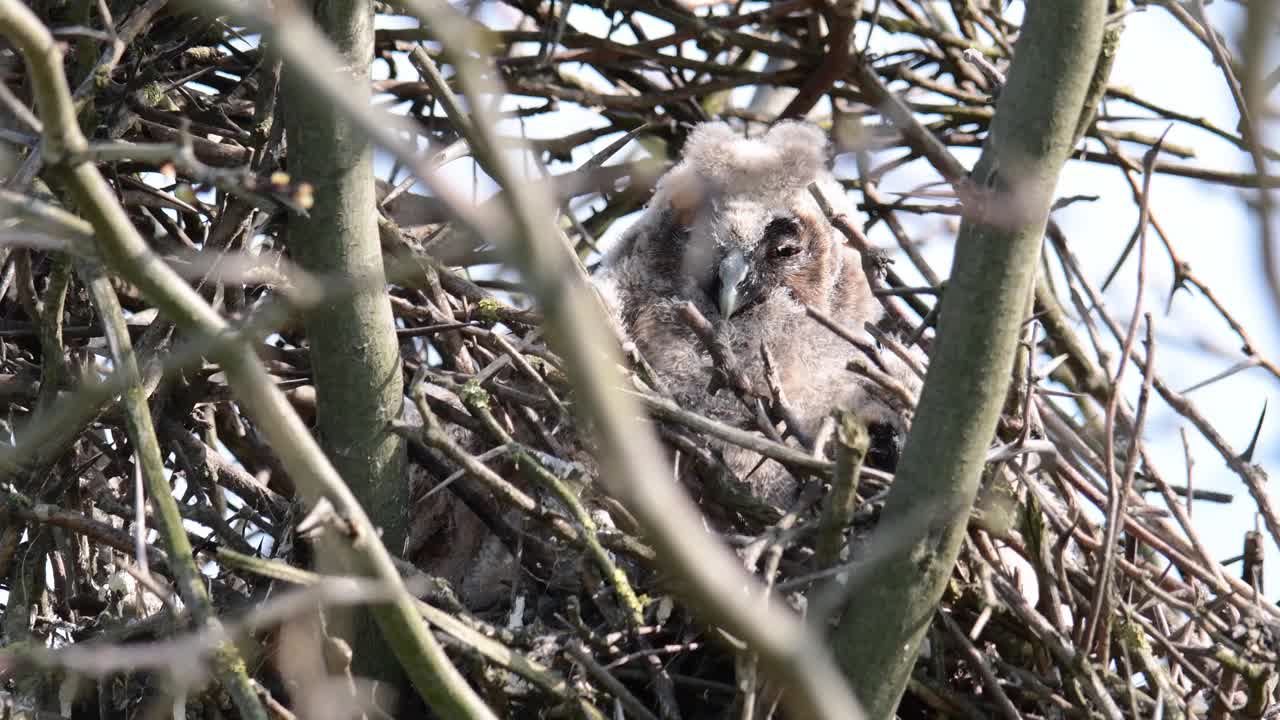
713 151
802 147
683 190
786 159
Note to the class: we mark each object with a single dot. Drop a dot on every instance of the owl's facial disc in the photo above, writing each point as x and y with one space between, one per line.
744 274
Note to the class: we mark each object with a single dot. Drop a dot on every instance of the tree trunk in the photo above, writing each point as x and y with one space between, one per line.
354 352
1010 191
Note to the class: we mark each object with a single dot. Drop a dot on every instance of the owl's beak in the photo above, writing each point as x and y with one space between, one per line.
733 274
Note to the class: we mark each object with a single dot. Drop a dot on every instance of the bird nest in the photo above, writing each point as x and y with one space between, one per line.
1055 606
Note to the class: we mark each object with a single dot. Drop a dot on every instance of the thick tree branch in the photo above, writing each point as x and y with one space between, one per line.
355 356
982 312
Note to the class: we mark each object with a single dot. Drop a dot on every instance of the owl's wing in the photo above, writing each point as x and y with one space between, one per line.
623 276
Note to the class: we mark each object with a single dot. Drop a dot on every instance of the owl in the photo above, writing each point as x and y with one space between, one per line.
734 230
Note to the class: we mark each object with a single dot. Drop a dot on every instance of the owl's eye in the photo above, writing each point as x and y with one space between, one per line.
785 250
782 234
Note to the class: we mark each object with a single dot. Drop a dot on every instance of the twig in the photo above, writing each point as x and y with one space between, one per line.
837 513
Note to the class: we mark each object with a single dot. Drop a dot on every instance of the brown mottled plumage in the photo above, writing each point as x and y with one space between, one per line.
733 229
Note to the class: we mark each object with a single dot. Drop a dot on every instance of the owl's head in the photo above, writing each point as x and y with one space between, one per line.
742 222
